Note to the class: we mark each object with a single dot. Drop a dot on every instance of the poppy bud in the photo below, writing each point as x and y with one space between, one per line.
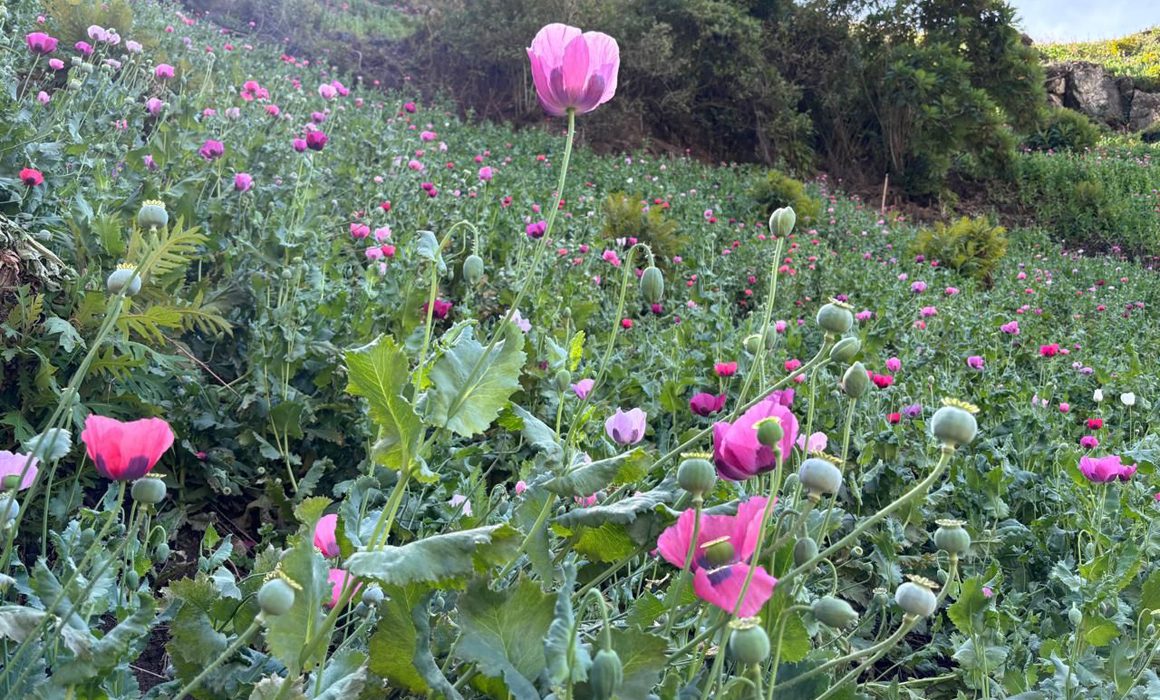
149 490
845 350
854 381
562 379
1075 616
473 269
782 220
652 285
9 509
834 612
606 674
804 550
752 344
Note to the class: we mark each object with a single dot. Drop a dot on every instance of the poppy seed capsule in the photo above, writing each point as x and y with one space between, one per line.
854 381
652 285
769 432
954 425
473 269
606 674
149 490
718 552
835 319
9 509
834 612
782 221
804 550
697 476
124 277
10 482
951 537
752 344
820 477
1075 616
916 599
749 644
276 597
845 350
152 214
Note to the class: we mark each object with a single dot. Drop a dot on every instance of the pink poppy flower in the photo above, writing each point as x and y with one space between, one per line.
894 364
338 580
725 369
125 451
626 428
164 71
40 43
975 362
211 149
11 466
324 535
243 182
573 70
816 442
1089 442
720 584
706 404
1104 469
736 450
582 387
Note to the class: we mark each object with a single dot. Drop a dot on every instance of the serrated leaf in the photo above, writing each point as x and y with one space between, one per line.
967 611
378 372
567 657
608 543
539 435
110 650
439 559
466 400
1098 631
17 622
1150 592
503 633
643 657
394 642
586 479
69 339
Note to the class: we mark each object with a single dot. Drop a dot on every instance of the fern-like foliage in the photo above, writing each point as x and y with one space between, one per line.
626 216
972 247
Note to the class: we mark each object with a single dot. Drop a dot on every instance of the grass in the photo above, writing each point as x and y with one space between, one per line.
1136 55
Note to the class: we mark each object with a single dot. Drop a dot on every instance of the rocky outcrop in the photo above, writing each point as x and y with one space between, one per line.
1110 99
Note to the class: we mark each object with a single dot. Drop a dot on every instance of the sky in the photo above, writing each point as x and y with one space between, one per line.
1082 20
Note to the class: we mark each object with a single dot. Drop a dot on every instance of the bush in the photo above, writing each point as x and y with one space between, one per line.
1064 130
971 247
626 216
777 189
71 19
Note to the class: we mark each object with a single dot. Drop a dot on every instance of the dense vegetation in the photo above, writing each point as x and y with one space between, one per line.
438 408
1136 55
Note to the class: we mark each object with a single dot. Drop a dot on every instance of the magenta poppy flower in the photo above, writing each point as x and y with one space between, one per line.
153 106
125 451
1089 442
316 140
243 182
299 145
975 362
211 150
706 404
573 69
626 428
736 450
324 535
12 465
31 177
721 584
894 364
582 387
1104 469
164 71
725 369
40 43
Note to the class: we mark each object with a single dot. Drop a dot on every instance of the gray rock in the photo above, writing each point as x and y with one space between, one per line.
1145 110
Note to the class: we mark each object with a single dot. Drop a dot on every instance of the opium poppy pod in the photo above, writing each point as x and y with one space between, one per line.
125 451
573 69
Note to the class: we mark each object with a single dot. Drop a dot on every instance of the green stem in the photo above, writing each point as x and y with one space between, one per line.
854 486
229 651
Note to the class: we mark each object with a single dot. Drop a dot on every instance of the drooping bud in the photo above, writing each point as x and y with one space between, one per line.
652 285
606 674
803 550
9 509
834 612
473 269
562 380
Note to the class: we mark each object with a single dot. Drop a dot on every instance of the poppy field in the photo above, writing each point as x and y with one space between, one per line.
315 390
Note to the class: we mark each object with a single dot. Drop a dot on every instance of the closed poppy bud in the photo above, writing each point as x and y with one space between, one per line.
854 381
782 221
834 612
562 380
845 350
9 509
473 269
652 285
803 550
606 674
752 344
149 490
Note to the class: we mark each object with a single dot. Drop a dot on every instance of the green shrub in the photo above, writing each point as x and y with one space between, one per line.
1064 130
777 189
71 19
625 216
972 247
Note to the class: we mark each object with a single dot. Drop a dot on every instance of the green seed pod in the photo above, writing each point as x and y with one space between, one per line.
718 552
804 550
652 285
951 537
954 424
124 277
373 595
132 579
606 674
161 553
769 432
9 509
152 215
752 343
782 221
835 318
855 382
696 475
276 597
834 612
820 477
845 350
473 269
149 490
1075 616
10 482
74 84
562 379
749 644
916 598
